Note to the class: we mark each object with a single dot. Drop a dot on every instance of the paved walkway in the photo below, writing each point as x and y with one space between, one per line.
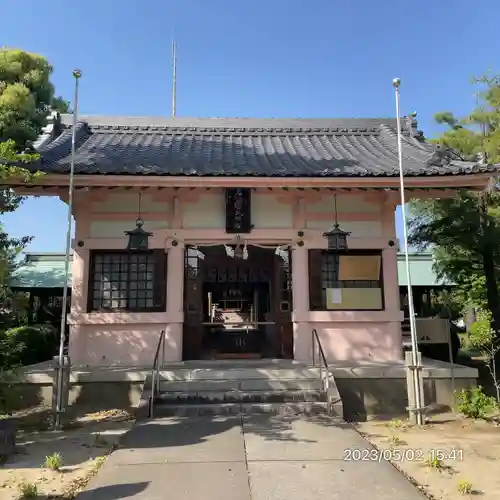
254 458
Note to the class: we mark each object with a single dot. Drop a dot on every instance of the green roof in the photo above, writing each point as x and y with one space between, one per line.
421 271
46 270
42 270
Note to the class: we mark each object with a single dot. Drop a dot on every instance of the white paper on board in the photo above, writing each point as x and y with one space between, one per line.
336 296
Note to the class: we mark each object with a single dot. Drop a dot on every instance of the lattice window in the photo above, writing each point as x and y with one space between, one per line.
128 281
330 275
326 273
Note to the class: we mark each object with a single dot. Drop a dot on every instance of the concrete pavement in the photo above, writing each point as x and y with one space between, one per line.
261 457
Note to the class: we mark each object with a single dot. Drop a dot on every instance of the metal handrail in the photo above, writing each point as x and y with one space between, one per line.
323 365
155 371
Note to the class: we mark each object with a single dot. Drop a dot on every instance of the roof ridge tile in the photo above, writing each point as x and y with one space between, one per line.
240 147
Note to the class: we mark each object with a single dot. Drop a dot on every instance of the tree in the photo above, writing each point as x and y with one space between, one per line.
464 232
26 95
11 164
26 98
12 304
483 337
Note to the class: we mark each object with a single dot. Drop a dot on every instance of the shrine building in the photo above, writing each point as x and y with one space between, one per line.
238 236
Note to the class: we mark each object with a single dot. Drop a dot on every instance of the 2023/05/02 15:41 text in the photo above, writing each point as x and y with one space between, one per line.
402 455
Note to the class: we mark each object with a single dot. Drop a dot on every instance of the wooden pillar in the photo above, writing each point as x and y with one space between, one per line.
302 345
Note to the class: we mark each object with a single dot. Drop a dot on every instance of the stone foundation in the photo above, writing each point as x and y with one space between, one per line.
369 397
366 389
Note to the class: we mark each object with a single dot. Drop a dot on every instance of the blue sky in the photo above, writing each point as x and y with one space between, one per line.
267 58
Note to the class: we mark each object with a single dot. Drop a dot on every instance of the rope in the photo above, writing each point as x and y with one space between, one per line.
242 243
280 250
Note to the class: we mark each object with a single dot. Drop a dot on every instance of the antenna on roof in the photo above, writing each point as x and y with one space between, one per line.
174 77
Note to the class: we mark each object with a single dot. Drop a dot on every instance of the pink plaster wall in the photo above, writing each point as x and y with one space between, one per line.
377 341
351 335
131 339
122 344
128 339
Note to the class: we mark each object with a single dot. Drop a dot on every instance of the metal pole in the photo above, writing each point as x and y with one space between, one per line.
411 308
452 361
62 337
174 78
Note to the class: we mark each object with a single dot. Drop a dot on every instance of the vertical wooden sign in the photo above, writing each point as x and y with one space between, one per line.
238 211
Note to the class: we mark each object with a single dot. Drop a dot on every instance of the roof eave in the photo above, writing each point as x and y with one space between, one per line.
472 180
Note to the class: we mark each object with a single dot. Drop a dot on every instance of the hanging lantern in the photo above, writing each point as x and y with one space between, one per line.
138 239
336 237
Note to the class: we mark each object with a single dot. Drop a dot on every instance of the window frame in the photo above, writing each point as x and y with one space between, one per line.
157 281
324 254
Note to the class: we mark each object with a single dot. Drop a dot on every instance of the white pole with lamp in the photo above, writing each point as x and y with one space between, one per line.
62 337
415 412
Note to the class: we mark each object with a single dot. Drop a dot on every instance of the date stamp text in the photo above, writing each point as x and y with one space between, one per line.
388 454
401 455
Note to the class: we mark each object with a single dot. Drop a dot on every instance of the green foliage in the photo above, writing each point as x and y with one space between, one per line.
434 463
474 403
53 462
478 132
464 487
28 490
26 95
9 394
396 423
12 163
13 305
396 441
27 345
26 98
481 335
99 462
464 232
19 346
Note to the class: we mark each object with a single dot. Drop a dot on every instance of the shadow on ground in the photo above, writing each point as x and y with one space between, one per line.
186 431
114 491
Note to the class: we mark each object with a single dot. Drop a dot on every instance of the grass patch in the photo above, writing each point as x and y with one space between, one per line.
28 490
53 462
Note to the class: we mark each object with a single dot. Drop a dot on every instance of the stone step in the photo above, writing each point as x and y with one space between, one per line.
188 410
207 397
242 373
236 387
240 385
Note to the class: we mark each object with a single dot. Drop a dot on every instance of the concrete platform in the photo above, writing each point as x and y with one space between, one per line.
365 388
258 458
43 372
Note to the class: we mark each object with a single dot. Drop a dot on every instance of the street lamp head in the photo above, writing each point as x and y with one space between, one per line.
396 82
414 114
77 73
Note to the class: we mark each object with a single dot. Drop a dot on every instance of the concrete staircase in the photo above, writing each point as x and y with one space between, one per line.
242 387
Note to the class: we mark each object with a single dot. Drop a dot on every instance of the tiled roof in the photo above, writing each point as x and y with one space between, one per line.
41 270
421 270
243 147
